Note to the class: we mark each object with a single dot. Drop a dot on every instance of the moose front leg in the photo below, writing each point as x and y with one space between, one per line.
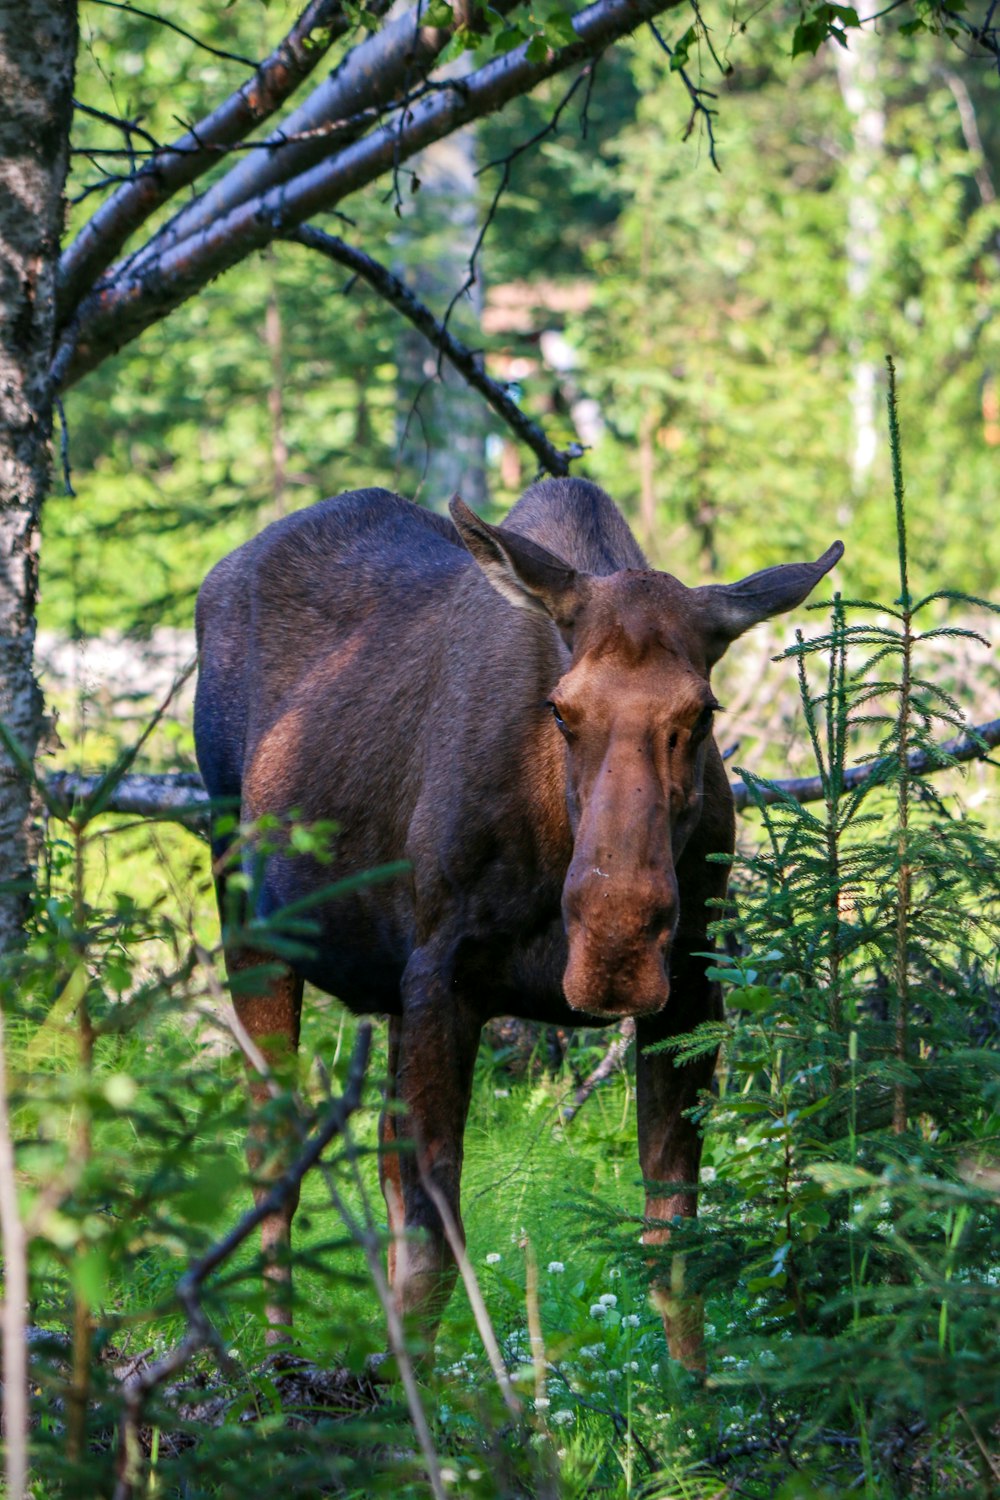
432 1056
670 1141
270 1010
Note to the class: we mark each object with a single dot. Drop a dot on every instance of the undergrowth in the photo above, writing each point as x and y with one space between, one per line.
847 1246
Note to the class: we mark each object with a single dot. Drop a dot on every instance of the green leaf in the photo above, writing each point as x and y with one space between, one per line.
682 49
756 998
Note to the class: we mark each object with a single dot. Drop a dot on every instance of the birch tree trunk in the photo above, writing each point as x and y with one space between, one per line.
857 73
38 41
444 439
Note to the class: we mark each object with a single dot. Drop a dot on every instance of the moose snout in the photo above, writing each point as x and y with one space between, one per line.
619 934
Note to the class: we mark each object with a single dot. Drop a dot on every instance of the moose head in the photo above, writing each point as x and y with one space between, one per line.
635 709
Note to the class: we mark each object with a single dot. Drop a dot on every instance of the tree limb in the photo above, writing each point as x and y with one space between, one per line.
180 796
336 113
177 165
466 361
975 745
132 300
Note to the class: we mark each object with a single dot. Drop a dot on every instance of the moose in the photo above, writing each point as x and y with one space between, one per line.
523 714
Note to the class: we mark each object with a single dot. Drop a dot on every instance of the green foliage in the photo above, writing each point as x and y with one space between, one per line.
850 1215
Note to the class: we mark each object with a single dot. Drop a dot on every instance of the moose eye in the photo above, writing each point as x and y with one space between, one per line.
704 722
554 709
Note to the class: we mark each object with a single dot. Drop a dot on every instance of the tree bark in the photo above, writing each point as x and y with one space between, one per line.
38 41
857 74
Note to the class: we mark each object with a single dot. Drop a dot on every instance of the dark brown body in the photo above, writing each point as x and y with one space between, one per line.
370 663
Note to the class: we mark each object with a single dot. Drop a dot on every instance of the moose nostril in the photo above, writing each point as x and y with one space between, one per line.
660 925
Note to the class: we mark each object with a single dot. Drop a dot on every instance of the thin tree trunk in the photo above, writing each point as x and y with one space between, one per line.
37 55
857 73
443 438
275 341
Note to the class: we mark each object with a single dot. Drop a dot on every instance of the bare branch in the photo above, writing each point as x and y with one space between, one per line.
466 361
975 745
697 96
149 15
134 299
199 1332
100 240
612 1059
175 797
180 797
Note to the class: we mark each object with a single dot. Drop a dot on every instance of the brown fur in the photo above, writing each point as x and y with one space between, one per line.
357 665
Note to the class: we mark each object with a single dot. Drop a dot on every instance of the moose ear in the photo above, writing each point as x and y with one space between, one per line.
727 610
525 574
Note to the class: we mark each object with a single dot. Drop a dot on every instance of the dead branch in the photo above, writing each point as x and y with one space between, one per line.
199 1333
612 1059
974 745
466 361
180 796
175 796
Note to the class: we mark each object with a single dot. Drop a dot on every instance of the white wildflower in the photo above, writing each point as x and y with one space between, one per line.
614 1274
631 1320
633 1365
598 1310
654 1369
493 1259
475 1474
563 1417
608 1299
592 1351
556 1268
542 1403
449 1476
614 1374
501 1093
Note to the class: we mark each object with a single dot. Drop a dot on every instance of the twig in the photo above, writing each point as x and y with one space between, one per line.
199 1332
149 15
696 95
457 1245
370 1242
466 361
507 163
612 1058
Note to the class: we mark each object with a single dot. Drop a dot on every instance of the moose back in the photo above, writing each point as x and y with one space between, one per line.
523 713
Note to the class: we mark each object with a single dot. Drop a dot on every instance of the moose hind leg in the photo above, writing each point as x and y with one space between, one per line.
438 1036
270 1010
